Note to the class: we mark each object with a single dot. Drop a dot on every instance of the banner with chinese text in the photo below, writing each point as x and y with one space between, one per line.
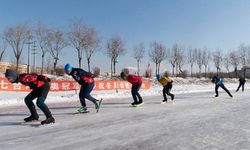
68 85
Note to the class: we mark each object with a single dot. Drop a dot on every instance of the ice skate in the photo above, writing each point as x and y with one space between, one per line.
164 102
31 118
82 110
48 121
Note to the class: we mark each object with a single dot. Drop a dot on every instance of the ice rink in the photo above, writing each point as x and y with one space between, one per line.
192 122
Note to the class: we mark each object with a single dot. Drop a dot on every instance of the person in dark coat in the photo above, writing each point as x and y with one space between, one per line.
242 82
40 86
219 83
86 80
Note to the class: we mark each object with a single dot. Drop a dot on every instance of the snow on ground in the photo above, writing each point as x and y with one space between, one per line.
194 121
180 85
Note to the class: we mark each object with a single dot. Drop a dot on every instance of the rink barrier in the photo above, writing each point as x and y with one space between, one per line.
69 85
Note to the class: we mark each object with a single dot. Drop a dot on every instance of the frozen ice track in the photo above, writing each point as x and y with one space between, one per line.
193 122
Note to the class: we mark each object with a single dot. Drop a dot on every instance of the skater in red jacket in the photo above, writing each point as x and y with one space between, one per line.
136 82
40 87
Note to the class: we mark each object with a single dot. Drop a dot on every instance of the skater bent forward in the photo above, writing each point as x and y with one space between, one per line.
86 80
167 84
40 87
136 82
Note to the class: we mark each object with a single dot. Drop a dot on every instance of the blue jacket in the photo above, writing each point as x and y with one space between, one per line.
218 81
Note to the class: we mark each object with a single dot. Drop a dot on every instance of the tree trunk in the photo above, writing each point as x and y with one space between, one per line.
1 56
173 69
88 64
156 68
159 68
79 58
111 66
42 63
205 71
191 70
55 62
17 63
236 72
80 62
138 67
114 66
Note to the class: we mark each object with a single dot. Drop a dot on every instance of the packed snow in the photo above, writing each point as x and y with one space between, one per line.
180 85
194 120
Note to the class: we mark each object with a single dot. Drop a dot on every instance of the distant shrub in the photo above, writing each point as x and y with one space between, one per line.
96 71
183 74
59 71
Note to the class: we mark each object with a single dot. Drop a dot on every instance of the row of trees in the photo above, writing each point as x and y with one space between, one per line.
86 41
83 38
178 56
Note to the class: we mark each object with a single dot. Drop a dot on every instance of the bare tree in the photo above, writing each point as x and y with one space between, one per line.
42 36
235 61
217 58
172 57
226 62
243 54
198 55
56 42
157 53
180 59
16 37
206 56
76 37
3 48
191 59
115 47
138 54
91 43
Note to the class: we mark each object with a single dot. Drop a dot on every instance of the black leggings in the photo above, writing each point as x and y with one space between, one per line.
85 93
39 93
223 87
241 84
135 93
166 90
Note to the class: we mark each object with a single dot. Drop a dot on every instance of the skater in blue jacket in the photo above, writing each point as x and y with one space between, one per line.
86 80
219 83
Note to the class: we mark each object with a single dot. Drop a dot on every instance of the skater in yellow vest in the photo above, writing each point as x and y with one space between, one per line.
166 82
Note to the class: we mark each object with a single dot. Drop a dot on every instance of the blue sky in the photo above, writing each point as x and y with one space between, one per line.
215 24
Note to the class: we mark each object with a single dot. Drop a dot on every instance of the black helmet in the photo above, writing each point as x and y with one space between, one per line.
122 75
12 75
214 78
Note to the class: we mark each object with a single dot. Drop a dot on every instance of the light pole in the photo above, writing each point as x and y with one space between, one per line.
29 42
34 56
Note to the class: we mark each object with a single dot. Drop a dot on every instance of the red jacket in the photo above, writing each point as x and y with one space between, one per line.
32 80
134 79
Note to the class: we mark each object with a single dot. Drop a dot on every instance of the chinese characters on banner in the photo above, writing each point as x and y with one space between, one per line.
67 85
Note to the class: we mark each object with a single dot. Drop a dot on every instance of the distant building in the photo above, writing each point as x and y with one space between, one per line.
8 65
22 68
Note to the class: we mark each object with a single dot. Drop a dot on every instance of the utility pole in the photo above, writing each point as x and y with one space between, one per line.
29 42
34 56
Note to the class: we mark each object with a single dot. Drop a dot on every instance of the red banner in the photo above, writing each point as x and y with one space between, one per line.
68 85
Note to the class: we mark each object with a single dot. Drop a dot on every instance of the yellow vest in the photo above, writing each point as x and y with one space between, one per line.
165 80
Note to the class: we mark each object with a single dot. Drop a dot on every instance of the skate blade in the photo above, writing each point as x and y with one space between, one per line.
139 105
100 103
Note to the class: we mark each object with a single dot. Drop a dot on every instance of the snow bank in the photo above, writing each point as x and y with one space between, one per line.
180 85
